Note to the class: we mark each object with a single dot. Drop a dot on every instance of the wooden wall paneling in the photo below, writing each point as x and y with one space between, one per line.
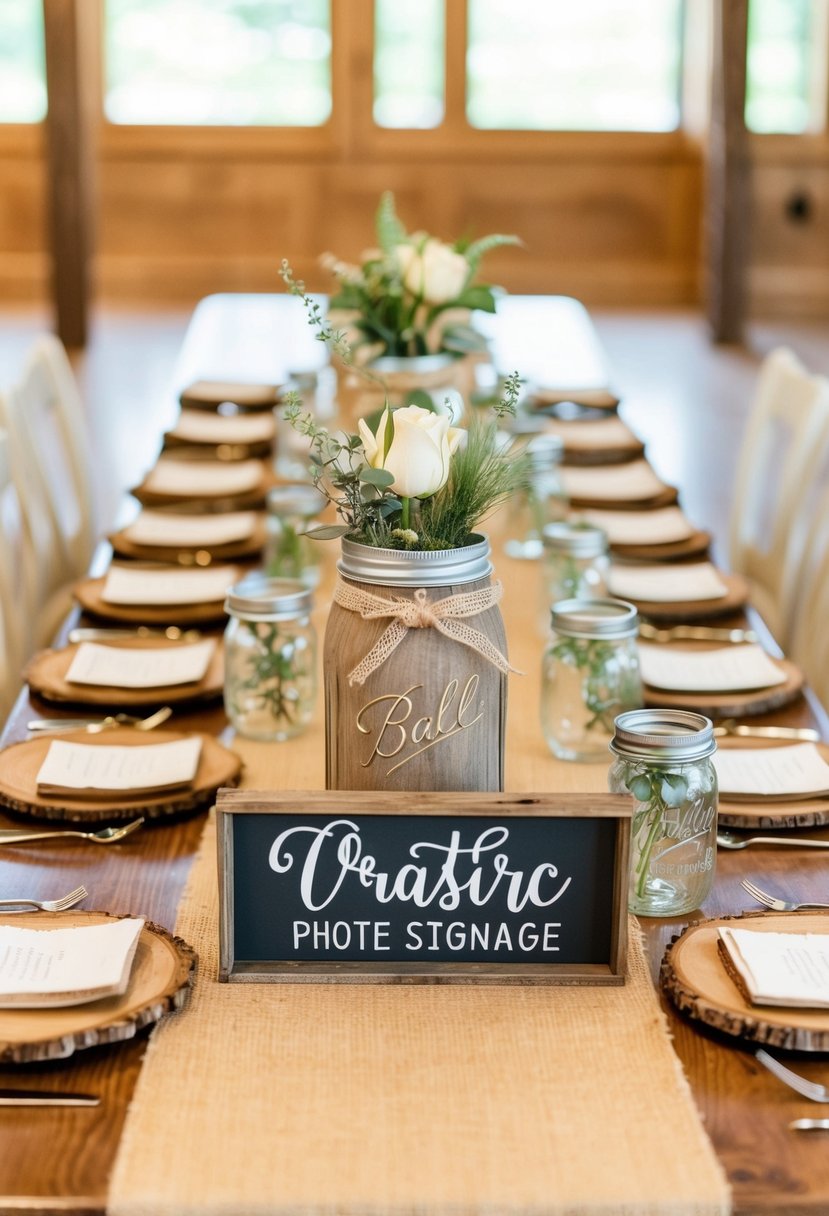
71 38
727 193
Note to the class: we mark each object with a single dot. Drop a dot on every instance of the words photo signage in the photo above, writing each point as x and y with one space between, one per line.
424 887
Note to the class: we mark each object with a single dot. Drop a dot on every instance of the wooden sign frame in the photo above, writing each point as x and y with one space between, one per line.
594 829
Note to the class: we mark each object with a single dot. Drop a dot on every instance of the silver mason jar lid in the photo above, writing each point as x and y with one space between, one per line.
418 365
595 619
412 568
579 539
663 735
296 498
257 595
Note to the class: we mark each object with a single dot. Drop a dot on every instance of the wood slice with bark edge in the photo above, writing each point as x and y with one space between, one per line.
767 813
696 610
210 394
665 498
733 704
256 450
20 763
252 499
591 398
188 555
162 976
88 594
45 674
693 976
695 545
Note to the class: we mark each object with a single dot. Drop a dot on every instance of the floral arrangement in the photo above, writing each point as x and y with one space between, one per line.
412 295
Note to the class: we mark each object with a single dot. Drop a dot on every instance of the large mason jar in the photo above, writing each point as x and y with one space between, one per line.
575 564
663 761
590 674
270 658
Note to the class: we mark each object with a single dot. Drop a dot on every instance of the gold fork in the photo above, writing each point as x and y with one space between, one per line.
101 836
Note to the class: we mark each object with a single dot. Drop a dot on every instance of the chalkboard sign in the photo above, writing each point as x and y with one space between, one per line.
423 888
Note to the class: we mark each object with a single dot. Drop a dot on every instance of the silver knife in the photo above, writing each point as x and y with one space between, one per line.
45 1097
809 1125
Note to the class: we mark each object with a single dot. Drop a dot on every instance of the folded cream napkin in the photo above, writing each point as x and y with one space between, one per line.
56 967
665 525
150 667
727 669
668 584
630 482
136 587
778 968
197 426
796 771
591 434
159 528
208 478
92 769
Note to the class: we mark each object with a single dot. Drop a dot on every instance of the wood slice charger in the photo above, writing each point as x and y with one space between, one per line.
736 595
771 813
88 594
210 394
694 545
243 500
162 975
46 676
695 978
191 555
665 498
20 764
732 704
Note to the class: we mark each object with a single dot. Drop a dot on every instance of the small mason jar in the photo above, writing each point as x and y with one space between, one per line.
288 551
270 658
542 503
663 761
590 674
575 564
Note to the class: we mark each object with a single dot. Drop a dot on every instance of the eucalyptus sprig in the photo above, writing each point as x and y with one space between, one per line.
657 792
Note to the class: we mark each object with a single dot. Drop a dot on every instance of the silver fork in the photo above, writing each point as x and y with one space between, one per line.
776 905
47 905
807 1089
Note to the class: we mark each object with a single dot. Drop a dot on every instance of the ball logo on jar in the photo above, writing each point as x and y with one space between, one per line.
403 725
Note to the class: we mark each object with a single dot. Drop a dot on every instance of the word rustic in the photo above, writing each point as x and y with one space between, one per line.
422 887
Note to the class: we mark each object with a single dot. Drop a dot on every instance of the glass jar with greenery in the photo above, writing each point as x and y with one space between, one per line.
544 500
590 674
270 658
289 553
663 761
575 564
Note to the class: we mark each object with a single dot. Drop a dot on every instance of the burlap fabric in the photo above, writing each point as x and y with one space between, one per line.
264 1100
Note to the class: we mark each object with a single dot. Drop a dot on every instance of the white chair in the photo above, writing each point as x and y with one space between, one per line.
810 635
12 600
52 473
785 444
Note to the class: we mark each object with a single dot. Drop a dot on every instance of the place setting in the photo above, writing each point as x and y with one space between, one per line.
661 534
158 595
683 591
131 672
715 680
245 396
629 486
191 538
776 784
593 438
233 436
215 484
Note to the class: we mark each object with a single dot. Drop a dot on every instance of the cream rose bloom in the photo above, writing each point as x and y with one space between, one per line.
433 270
418 455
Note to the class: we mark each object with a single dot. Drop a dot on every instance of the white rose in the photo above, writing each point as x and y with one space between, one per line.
418 455
432 271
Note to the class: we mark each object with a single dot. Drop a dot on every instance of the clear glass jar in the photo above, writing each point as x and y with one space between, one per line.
288 551
663 760
270 658
544 502
575 565
590 674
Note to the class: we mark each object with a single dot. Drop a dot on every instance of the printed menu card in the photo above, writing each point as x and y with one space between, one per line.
134 586
159 528
666 584
621 482
664 526
727 669
196 426
798 771
208 478
85 768
778 968
121 667
54 968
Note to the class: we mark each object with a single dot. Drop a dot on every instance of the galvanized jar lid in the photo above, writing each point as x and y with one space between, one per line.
662 735
266 598
296 498
600 619
413 568
579 539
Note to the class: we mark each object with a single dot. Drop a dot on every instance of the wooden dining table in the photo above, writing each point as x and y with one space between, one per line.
59 1160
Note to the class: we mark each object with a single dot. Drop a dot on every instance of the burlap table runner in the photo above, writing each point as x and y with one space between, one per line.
361 1101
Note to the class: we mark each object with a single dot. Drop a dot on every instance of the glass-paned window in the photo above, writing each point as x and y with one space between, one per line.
218 62
782 65
22 69
589 65
409 56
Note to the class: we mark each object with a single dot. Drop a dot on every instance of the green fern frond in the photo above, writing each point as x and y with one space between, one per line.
474 252
390 231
